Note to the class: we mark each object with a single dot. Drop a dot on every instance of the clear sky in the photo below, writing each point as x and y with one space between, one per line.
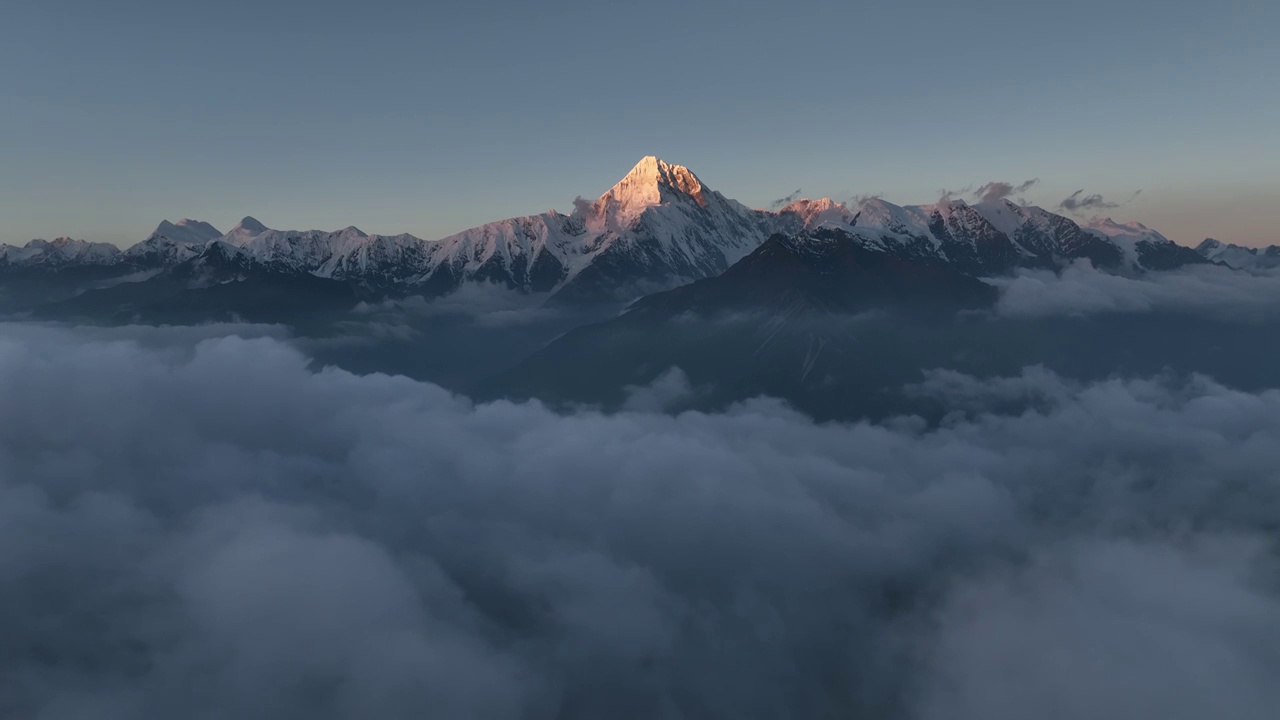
431 117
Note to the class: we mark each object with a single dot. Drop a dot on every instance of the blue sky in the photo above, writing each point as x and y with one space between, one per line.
430 117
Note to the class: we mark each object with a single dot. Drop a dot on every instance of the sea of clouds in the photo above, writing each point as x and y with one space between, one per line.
201 526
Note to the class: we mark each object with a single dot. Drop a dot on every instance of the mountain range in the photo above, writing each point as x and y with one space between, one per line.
1241 258
835 308
659 227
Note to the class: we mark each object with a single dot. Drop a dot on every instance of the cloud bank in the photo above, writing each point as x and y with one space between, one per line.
1208 290
227 533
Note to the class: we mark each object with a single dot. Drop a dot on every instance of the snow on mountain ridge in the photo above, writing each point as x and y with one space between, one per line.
986 237
1238 256
59 252
172 243
1126 236
657 227
910 220
1132 229
251 225
820 212
1141 246
193 232
1005 216
992 236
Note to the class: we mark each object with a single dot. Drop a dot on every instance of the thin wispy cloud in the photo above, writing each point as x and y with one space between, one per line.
785 200
995 191
945 195
1078 203
988 192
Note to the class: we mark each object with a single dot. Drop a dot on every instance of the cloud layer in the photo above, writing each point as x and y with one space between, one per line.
1081 290
227 533
487 304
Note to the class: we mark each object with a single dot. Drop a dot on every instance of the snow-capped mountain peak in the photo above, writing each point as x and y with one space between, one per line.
658 227
652 182
249 225
1004 215
187 231
880 213
1132 231
1238 256
172 243
1141 245
820 212
58 252
244 231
